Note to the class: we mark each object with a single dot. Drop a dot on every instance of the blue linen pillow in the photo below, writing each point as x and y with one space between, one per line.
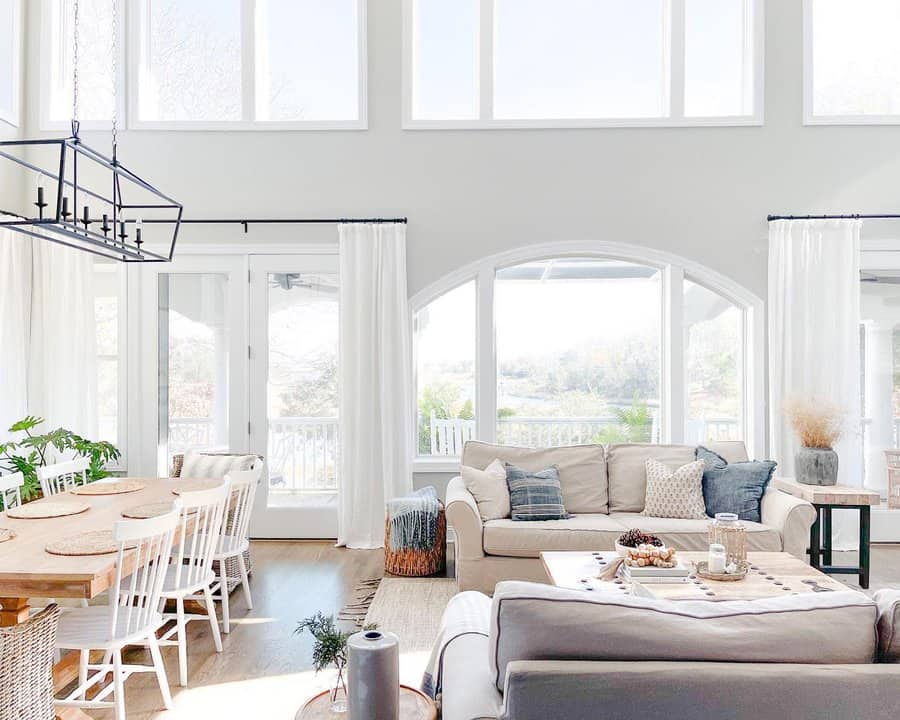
535 495
734 487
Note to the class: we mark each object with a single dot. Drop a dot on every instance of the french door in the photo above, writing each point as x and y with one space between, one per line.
294 392
241 352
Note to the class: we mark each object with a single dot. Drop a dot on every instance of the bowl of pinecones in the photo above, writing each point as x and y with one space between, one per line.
633 538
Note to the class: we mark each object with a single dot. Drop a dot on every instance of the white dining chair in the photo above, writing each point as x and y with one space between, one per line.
11 490
61 477
132 617
234 541
191 575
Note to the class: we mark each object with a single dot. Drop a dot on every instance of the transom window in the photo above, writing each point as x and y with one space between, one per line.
211 64
533 63
852 61
586 349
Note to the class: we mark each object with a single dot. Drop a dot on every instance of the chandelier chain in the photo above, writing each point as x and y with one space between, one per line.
115 73
75 49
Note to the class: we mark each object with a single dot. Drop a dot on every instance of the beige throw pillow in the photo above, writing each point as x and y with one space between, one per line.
489 489
675 494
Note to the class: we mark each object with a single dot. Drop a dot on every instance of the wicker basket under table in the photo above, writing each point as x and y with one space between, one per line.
893 470
417 563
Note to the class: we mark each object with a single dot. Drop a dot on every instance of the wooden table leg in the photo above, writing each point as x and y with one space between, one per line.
13 611
71 713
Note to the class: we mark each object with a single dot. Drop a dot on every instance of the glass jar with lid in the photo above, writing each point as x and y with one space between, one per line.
728 530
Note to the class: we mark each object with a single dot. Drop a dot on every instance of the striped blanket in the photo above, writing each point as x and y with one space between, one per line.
413 520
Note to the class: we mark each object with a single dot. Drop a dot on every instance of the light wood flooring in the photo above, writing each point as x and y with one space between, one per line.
265 671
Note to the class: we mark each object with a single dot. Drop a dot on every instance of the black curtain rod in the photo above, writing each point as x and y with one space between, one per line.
856 216
279 221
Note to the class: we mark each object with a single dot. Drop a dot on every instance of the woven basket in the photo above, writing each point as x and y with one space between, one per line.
417 563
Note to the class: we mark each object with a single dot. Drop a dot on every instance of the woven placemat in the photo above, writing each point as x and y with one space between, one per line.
47 509
196 485
92 542
6 534
108 488
150 510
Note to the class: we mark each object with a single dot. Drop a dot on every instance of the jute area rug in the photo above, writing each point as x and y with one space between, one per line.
411 608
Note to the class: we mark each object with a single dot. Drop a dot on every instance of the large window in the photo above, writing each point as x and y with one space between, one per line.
852 61
511 63
569 372
210 64
634 347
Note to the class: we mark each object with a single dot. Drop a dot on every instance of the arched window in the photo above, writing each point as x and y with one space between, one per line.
588 344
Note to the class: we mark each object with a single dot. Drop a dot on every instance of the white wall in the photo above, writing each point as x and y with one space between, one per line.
700 192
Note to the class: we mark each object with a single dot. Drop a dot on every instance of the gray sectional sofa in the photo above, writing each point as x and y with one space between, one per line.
603 488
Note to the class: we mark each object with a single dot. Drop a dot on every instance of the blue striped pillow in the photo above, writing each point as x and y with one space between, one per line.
535 495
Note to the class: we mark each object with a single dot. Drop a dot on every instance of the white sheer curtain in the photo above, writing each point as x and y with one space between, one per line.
15 321
62 372
48 359
376 393
814 339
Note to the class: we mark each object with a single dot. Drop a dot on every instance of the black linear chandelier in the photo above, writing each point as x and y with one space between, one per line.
93 199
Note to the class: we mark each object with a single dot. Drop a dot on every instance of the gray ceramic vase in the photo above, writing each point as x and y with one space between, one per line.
816 466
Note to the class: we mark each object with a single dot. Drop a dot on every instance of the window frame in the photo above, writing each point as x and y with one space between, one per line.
673 269
12 115
675 81
128 79
809 115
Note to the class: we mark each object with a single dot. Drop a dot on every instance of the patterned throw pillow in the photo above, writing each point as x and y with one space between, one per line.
734 487
535 495
675 494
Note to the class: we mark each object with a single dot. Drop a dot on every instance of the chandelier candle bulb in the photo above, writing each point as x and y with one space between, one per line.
105 226
65 207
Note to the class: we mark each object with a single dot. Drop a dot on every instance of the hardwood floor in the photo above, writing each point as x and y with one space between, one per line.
265 671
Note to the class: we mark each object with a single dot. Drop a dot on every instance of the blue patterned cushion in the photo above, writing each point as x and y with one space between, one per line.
535 495
736 487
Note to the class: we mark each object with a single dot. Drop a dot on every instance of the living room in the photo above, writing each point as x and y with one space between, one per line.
428 319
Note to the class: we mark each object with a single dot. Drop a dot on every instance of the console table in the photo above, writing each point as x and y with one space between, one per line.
824 499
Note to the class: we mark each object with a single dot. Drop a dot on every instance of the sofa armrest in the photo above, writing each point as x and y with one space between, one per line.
463 516
586 690
791 516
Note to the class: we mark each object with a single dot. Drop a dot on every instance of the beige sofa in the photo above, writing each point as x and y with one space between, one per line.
603 488
535 652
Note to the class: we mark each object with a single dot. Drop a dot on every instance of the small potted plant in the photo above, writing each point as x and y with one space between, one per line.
329 648
819 424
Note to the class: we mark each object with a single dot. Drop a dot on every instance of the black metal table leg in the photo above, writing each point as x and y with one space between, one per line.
815 534
864 535
826 535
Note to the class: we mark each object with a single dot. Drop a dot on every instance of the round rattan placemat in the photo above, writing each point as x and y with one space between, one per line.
6 534
92 542
150 510
116 487
50 508
195 485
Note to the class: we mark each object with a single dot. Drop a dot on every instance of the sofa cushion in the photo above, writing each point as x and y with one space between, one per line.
675 493
888 625
489 489
735 487
693 535
580 532
626 467
582 470
541 622
733 451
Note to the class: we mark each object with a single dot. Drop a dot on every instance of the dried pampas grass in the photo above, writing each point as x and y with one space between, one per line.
819 423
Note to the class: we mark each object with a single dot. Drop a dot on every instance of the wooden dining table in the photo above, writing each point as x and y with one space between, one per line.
28 571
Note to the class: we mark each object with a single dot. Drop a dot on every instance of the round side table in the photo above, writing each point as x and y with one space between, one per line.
414 705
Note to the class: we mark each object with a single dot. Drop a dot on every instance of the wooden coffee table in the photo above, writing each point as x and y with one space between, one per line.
772 574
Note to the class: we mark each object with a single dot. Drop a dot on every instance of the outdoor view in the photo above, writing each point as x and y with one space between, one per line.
302 389
578 358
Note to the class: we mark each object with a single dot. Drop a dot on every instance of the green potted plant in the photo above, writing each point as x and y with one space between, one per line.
329 648
26 454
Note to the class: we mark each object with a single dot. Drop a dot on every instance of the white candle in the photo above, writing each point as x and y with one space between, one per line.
716 562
